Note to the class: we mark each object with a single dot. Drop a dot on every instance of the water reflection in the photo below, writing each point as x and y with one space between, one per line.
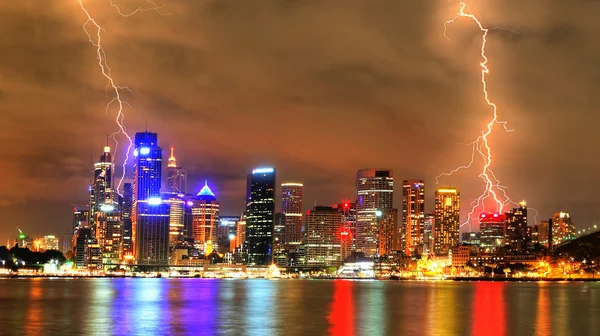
295 307
488 309
542 320
34 309
341 315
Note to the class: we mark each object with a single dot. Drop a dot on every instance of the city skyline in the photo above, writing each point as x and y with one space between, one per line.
192 100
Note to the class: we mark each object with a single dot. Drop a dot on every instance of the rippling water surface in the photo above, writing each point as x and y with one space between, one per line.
295 307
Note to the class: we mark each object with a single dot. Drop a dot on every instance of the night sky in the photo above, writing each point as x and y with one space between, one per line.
317 89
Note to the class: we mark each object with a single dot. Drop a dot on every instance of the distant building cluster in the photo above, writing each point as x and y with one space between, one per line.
157 221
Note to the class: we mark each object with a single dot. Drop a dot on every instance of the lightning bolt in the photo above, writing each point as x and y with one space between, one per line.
481 146
96 40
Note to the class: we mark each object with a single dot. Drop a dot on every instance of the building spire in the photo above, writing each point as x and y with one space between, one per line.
172 161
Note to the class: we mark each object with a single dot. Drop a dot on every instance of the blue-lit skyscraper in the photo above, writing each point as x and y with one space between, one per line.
147 166
260 211
150 229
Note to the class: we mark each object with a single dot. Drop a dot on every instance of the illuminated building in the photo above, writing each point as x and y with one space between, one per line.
226 233
540 233
447 220
150 216
48 242
260 211
126 212
205 219
413 215
109 235
291 207
24 241
492 230
563 228
176 176
348 211
323 234
471 238
428 224
101 191
80 217
240 232
516 226
147 166
461 255
87 250
279 248
177 204
375 192
389 234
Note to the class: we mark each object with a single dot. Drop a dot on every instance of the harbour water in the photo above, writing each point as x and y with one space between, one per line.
128 306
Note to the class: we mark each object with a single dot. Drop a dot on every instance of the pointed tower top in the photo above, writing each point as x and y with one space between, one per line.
172 161
205 191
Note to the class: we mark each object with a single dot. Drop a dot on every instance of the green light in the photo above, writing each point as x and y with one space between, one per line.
21 236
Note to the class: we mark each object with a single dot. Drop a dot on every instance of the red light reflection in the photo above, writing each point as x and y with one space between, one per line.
341 315
488 309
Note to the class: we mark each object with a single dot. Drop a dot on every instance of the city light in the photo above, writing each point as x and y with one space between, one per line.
144 151
154 200
107 208
263 171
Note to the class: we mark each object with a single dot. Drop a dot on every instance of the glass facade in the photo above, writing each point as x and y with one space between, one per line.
260 212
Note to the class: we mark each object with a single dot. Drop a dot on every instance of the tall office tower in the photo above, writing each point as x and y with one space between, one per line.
492 231
413 216
240 235
428 225
348 211
389 234
260 211
126 212
516 227
101 189
540 233
81 217
278 232
563 228
322 240
205 219
291 207
176 176
226 232
447 220
177 205
150 216
375 192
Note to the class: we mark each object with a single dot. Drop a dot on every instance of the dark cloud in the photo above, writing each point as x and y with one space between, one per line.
318 89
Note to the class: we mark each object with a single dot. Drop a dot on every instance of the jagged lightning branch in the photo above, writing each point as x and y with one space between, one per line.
106 72
481 145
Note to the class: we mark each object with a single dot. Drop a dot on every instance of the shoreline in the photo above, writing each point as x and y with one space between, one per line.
456 279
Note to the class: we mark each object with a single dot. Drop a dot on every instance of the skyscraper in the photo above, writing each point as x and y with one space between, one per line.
516 226
492 230
150 229
177 205
375 192
563 228
389 235
101 190
291 208
205 219
147 166
176 176
323 236
260 211
126 212
413 215
447 220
